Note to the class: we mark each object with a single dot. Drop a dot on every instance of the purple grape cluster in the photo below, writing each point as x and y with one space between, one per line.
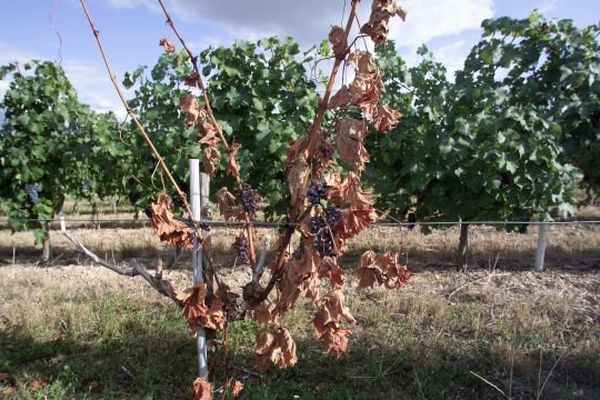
317 190
86 186
326 151
249 197
33 192
241 248
323 241
333 215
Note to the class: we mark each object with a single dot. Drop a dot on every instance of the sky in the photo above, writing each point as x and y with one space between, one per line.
57 30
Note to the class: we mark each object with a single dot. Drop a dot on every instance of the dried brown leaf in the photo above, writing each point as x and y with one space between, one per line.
189 106
362 62
338 41
209 134
353 221
232 166
201 316
301 278
329 269
211 159
298 179
168 228
201 390
167 45
349 142
229 206
349 191
384 270
331 313
236 388
276 347
340 99
378 26
387 119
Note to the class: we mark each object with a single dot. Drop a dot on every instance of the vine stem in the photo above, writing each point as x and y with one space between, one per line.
313 135
213 120
315 128
144 134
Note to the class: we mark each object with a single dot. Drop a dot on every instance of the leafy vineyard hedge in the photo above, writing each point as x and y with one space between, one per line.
509 138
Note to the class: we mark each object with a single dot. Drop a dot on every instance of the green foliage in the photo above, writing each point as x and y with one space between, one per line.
555 68
489 145
155 102
262 94
47 139
259 92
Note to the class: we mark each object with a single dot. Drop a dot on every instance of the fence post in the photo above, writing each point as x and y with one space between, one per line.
195 200
540 252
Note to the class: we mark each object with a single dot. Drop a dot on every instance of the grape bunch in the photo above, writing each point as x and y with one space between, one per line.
241 248
316 191
326 150
86 186
333 215
33 192
249 197
323 241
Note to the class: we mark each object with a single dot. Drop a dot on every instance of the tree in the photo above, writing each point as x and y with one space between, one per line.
46 140
475 149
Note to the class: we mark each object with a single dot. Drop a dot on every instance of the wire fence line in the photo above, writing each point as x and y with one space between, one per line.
266 224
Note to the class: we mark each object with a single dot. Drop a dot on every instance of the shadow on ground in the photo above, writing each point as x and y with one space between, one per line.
147 363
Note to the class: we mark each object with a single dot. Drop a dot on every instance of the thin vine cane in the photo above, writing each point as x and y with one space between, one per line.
213 120
142 131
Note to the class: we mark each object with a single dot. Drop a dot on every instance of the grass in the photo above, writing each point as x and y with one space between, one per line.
84 333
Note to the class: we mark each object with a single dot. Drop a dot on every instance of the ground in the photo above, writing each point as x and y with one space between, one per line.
496 330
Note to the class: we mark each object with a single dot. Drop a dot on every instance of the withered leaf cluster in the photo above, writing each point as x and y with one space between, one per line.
198 314
208 132
168 228
275 346
201 390
378 26
364 92
229 206
167 45
328 322
338 41
383 269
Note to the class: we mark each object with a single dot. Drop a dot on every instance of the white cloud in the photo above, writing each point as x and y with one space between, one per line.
307 21
432 19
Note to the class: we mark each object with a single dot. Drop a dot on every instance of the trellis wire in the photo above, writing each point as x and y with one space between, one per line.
265 224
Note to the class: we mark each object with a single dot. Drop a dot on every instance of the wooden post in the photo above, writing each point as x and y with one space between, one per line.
113 204
46 245
463 245
540 253
195 201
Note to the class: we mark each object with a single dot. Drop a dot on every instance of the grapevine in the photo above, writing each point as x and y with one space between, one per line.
328 205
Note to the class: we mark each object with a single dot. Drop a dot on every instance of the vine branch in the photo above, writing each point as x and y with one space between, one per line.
144 134
213 120
162 286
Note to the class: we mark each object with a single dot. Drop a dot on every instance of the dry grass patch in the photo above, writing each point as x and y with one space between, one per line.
514 329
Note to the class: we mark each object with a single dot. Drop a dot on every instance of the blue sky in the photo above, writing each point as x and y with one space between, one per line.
131 29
